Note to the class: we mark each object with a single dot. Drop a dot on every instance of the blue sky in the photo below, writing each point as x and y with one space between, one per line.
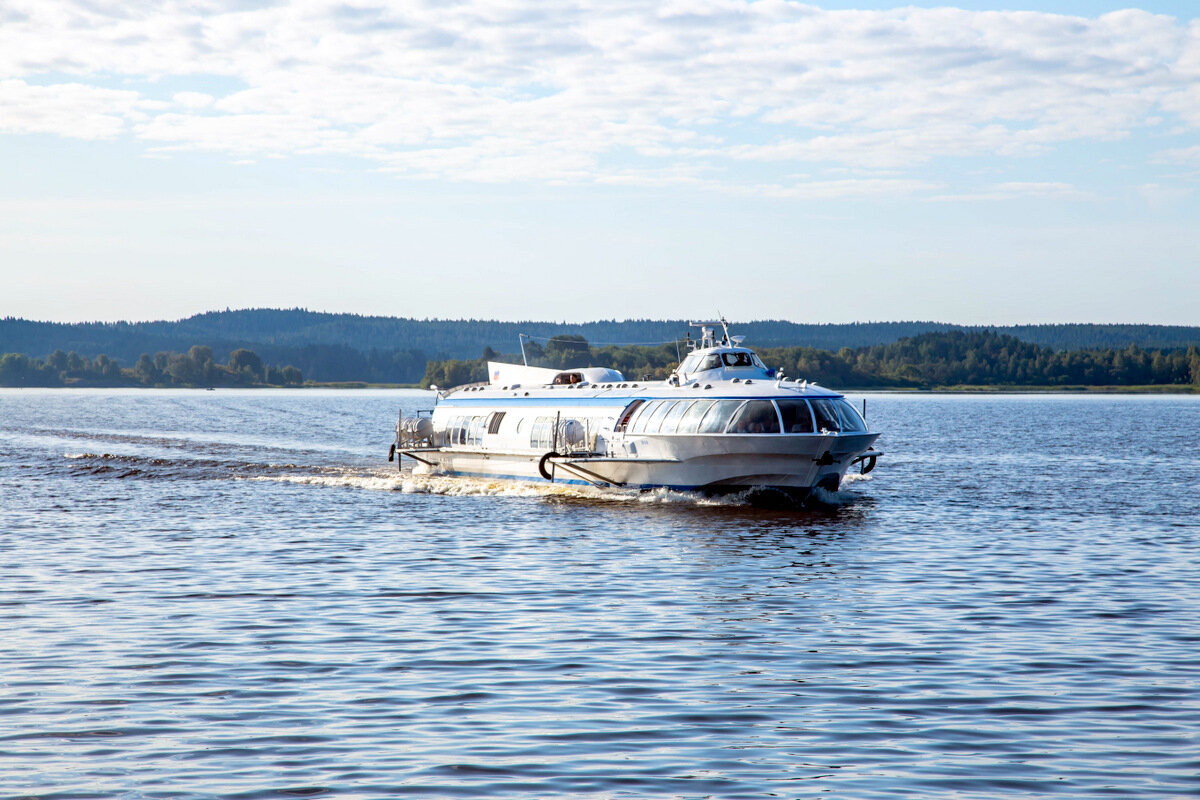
838 161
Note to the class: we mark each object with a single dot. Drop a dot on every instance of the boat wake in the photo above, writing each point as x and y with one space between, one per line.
458 486
389 480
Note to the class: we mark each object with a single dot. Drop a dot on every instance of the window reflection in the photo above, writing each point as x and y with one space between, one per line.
756 416
826 414
718 416
796 416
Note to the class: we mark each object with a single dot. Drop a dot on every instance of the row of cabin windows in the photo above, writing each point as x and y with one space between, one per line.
464 430
541 435
792 415
470 430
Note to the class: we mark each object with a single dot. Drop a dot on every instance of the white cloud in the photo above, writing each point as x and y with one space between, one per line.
74 110
1160 196
623 92
1013 190
1179 155
193 100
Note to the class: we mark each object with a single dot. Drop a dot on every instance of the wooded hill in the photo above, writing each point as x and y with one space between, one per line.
195 368
931 360
351 347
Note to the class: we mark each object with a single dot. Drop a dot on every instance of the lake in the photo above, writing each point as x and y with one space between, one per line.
233 594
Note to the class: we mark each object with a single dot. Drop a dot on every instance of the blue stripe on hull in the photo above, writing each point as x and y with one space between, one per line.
615 402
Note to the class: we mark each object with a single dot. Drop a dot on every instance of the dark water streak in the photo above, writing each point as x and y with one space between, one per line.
227 594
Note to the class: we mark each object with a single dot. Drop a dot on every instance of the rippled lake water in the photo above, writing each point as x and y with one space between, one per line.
232 594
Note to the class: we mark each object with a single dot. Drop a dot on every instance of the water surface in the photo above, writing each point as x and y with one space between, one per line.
232 594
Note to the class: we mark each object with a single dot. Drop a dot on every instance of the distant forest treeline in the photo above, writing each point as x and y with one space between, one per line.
350 347
196 367
951 358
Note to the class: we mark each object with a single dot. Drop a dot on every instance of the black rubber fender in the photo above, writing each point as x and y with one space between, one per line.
392 452
542 465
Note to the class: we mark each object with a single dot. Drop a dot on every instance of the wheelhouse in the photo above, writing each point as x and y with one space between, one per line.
723 363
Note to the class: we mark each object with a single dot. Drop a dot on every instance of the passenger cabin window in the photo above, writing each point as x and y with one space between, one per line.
475 430
541 435
797 418
851 421
657 418
671 421
644 413
738 359
827 417
756 416
630 410
718 416
690 421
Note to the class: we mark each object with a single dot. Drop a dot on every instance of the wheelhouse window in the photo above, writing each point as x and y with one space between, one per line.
738 358
851 421
690 364
827 416
797 418
719 415
711 361
756 416
670 422
690 421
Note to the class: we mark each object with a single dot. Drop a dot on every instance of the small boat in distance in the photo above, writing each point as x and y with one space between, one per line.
721 423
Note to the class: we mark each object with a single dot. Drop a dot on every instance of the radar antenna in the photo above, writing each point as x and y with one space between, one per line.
707 332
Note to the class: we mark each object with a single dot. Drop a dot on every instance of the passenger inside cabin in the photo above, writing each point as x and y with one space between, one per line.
567 378
738 360
756 416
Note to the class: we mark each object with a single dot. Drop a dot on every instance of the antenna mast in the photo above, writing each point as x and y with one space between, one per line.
707 339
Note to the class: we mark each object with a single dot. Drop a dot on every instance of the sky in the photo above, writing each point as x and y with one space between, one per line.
990 163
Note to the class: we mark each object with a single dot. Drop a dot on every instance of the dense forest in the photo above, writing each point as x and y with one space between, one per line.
196 367
345 347
931 360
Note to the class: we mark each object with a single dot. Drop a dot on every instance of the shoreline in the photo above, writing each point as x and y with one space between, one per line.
1171 389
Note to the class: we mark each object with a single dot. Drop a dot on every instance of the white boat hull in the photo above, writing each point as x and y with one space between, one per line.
688 463
722 423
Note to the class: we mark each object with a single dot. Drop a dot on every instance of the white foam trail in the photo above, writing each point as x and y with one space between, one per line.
456 486
831 499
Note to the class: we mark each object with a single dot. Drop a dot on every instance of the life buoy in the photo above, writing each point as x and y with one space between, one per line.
542 465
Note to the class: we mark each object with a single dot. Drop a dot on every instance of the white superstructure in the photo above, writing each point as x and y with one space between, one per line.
723 422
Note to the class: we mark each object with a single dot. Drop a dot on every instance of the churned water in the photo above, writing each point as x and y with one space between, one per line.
232 594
